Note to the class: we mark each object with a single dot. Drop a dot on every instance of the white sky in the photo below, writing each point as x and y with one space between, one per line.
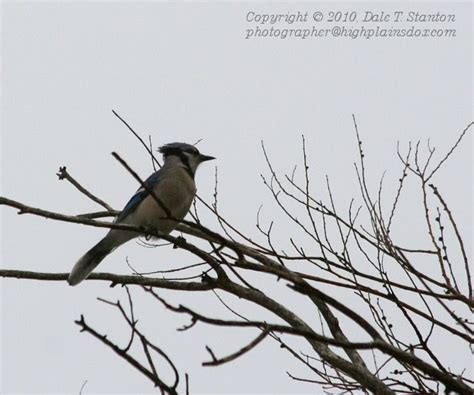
182 72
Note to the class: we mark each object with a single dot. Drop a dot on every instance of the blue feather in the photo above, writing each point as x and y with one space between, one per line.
140 195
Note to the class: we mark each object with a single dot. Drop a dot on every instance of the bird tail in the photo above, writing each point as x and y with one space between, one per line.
90 260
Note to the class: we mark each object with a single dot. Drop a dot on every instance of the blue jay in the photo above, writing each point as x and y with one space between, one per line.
174 187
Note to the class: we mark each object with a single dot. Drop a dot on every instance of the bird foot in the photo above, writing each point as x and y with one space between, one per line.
205 278
180 242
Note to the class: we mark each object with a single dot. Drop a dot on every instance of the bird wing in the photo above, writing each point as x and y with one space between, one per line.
140 194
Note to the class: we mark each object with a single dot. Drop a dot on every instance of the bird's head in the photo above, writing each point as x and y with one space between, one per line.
187 154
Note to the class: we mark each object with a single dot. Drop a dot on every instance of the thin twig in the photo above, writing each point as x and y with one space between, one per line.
64 175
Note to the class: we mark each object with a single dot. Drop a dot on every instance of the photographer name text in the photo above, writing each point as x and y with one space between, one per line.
350 24
349 16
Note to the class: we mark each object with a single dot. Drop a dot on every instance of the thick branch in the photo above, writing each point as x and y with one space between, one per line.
115 279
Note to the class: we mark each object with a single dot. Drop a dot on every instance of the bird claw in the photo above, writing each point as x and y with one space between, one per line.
180 241
205 278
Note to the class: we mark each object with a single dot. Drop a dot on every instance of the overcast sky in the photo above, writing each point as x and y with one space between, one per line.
183 72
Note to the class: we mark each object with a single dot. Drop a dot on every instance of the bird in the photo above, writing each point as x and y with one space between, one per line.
173 189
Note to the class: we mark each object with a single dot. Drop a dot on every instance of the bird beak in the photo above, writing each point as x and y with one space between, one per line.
203 158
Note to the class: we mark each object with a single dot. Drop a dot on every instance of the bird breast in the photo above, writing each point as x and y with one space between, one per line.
176 192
